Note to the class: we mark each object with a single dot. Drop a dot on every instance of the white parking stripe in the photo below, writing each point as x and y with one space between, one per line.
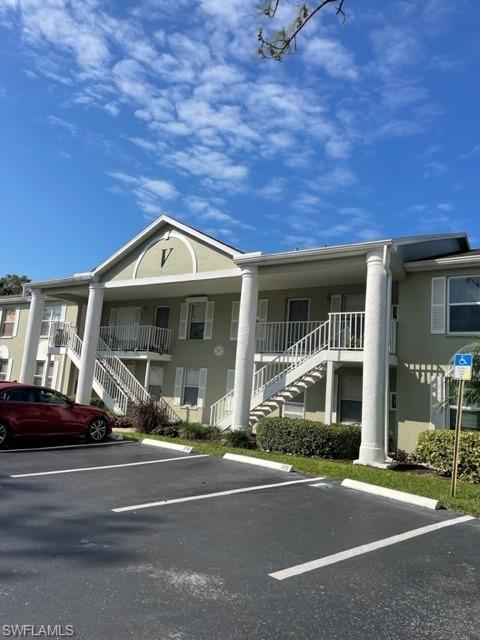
365 548
69 446
110 466
204 496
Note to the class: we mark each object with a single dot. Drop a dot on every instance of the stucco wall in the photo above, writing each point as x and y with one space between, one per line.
152 262
420 353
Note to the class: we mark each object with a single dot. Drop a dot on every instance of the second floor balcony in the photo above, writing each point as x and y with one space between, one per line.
137 338
345 333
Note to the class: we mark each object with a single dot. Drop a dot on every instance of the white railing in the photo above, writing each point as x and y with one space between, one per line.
110 372
275 337
121 373
64 335
291 358
221 409
347 330
137 338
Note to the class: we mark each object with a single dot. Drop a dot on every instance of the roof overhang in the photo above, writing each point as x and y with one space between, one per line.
449 262
312 255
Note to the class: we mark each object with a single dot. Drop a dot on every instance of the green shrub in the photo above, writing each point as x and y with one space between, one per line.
197 431
308 438
435 448
239 439
149 417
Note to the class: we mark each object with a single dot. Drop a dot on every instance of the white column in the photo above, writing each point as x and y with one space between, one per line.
32 337
372 448
46 367
329 392
90 343
147 373
244 361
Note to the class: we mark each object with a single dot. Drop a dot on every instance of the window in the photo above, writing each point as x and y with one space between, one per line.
191 386
464 304
47 396
295 408
351 399
38 375
3 369
20 394
470 413
39 372
8 322
51 313
197 320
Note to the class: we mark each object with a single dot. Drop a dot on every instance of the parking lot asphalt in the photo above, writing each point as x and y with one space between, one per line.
199 566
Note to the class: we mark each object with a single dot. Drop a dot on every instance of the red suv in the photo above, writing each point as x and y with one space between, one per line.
36 411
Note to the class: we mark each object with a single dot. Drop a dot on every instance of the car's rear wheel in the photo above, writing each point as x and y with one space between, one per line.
97 430
3 434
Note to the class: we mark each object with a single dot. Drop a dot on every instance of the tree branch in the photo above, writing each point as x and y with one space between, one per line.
284 42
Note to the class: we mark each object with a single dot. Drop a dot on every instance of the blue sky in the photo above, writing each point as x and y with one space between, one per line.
115 112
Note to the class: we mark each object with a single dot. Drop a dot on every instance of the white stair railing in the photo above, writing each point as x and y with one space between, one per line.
121 373
275 337
110 372
312 343
286 362
64 335
221 408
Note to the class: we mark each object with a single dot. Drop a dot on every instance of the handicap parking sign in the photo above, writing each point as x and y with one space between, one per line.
463 363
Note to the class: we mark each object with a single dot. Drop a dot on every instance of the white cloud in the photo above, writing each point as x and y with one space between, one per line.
60 122
335 59
203 162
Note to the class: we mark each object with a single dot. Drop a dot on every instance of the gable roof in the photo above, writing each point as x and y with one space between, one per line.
151 230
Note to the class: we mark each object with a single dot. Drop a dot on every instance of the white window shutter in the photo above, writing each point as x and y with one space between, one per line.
202 387
234 320
335 399
439 291
262 313
17 318
209 313
177 395
182 327
9 369
336 303
439 412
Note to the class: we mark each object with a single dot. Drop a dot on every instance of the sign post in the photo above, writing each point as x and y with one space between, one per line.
463 364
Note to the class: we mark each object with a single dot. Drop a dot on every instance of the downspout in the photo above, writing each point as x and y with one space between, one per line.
388 326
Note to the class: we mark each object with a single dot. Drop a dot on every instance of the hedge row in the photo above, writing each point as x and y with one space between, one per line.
308 438
435 448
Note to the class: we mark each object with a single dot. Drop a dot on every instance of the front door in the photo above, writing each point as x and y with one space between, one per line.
298 312
162 317
59 415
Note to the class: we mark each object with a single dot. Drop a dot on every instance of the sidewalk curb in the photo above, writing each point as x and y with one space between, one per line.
278 466
168 445
393 494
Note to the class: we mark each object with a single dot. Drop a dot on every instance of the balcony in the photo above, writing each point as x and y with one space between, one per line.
138 338
345 332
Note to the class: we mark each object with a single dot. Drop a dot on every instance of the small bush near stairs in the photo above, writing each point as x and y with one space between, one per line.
308 438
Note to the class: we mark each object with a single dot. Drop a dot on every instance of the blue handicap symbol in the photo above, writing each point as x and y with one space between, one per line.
463 359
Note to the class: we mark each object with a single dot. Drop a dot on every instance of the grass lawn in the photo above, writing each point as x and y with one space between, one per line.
468 495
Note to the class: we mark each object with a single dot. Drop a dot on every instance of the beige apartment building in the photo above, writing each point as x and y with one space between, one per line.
360 333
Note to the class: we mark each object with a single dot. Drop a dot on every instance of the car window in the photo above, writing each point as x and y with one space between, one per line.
48 396
20 394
